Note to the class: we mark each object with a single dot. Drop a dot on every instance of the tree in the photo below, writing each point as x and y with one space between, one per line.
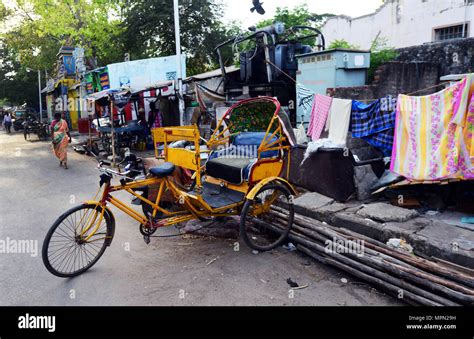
38 28
298 16
17 85
148 30
341 44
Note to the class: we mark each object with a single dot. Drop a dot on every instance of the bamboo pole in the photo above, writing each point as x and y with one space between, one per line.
375 260
391 254
377 278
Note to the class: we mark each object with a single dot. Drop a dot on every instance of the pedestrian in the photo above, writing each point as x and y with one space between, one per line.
7 122
61 138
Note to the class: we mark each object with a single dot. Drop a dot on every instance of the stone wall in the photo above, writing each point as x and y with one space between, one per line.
453 56
415 68
392 79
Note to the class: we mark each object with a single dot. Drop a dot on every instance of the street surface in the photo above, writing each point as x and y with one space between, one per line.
169 271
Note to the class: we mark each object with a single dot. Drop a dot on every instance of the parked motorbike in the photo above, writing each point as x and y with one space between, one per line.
17 124
33 126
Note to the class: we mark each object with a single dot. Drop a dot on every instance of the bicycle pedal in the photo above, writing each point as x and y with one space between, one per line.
146 238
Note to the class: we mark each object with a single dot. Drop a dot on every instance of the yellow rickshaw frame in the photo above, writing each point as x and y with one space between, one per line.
193 205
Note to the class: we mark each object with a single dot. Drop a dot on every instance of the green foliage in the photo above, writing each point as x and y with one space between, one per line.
106 29
341 44
381 54
148 30
298 16
45 25
36 29
17 85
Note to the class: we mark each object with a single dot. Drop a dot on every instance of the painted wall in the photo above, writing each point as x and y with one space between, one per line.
402 23
141 74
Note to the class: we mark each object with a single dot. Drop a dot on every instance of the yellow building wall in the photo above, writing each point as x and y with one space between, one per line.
74 108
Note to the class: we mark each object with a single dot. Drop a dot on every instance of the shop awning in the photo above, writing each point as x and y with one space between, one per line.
157 85
212 74
106 93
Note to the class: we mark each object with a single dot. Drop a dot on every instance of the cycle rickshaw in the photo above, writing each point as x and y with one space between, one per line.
241 176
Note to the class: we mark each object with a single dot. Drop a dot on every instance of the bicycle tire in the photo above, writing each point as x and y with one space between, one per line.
244 229
60 221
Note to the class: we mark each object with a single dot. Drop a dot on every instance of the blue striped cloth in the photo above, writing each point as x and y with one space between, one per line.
371 123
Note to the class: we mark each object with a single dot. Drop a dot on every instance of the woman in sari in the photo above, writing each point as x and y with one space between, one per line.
60 135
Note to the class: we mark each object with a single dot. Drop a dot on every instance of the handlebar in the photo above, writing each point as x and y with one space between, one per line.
111 172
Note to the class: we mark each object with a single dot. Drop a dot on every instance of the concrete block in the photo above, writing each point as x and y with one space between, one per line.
449 234
312 201
385 212
358 224
404 229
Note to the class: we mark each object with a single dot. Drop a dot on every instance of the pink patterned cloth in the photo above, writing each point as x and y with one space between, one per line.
433 134
319 115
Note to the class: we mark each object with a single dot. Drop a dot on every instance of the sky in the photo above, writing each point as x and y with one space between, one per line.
240 9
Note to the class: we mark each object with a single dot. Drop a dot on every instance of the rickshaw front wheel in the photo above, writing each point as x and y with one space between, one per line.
259 228
66 250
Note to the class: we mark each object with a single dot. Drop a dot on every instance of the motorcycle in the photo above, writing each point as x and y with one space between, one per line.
31 125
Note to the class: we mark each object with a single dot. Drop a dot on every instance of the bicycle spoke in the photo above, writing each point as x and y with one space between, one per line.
68 252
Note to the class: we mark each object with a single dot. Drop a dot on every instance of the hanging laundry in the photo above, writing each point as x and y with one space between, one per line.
466 161
433 134
374 123
319 115
339 120
305 99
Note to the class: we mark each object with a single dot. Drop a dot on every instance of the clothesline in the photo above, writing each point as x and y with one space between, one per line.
361 100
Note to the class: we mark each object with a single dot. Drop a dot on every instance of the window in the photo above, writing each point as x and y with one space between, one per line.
450 32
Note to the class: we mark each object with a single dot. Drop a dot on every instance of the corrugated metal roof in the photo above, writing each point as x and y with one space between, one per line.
211 74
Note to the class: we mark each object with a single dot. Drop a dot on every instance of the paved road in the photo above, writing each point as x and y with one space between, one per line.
35 191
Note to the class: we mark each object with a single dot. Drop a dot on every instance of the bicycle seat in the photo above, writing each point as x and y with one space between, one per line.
163 170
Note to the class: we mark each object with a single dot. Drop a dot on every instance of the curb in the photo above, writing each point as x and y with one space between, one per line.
422 245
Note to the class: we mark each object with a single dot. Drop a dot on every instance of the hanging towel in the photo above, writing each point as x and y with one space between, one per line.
338 120
371 123
305 98
432 138
319 115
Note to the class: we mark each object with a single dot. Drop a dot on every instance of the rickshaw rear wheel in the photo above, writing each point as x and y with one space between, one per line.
258 228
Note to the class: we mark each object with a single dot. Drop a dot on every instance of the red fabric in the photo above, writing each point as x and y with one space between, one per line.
141 102
128 112
115 111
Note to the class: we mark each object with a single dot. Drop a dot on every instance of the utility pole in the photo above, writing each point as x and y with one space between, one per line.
39 94
179 74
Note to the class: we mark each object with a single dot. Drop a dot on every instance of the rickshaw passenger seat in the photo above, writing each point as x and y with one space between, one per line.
234 163
163 170
233 170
